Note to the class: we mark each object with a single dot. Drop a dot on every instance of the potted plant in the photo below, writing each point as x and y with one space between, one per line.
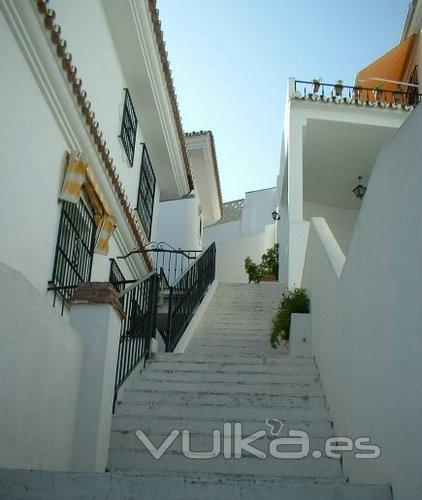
357 92
338 88
266 270
316 84
397 95
377 92
294 301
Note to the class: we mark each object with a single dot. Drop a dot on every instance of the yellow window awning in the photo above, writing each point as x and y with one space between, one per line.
391 66
79 175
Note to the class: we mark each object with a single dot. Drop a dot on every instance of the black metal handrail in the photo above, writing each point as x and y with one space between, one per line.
363 94
116 277
187 293
173 262
137 327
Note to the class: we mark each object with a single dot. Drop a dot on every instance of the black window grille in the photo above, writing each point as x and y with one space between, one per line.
74 249
145 204
128 130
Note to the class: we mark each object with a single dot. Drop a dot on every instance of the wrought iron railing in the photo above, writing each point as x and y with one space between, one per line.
187 293
363 94
116 277
167 259
137 327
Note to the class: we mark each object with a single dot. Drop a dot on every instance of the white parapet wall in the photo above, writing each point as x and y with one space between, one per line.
366 317
40 366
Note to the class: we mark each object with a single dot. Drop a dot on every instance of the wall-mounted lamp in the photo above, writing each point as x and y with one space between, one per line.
275 215
359 190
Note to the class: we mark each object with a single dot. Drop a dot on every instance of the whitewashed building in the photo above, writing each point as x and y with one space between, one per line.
351 234
332 139
92 150
202 206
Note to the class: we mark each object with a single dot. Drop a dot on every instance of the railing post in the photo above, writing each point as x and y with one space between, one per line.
95 312
170 321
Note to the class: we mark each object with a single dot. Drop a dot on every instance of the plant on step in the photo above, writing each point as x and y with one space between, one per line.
294 301
266 270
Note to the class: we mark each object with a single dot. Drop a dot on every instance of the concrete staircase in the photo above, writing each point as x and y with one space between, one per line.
228 374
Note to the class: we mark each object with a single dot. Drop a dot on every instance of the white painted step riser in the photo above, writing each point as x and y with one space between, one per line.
190 369
227 389
161 425
119 486
308 467
224 360
259 334
223 338
223 414
224 400
230 378
200 442
235 350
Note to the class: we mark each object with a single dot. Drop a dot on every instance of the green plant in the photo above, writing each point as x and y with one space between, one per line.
254 271
267 267
294 301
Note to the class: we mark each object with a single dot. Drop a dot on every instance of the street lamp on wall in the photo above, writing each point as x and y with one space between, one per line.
359 190
275 215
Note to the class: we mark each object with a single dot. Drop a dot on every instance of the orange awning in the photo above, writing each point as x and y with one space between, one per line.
390 66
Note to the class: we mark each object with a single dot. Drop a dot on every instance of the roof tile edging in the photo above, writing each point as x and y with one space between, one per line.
156 23
350 102
92 124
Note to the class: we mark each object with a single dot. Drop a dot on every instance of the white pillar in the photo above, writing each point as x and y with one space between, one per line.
96 313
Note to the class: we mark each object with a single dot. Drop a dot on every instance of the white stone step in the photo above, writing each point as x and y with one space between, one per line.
130 459
234 350
201 442
222 413
224 378
18 484
228 389
149 424
273 371
226 360
219 398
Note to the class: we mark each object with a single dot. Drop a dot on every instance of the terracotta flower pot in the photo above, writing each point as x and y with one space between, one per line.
270 277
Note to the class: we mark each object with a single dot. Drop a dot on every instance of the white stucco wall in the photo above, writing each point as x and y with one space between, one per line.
366 324
222 232
40 366
340 220
257 210
298 113
178 223
251 236
33 156
231 255
91 43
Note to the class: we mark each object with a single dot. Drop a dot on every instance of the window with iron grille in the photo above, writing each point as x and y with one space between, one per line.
128 130
145 204
74 249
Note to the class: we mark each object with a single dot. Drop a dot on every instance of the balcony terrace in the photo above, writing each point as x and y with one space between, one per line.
339 93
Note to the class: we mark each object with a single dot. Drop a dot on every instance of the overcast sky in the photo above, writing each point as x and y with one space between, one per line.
230 61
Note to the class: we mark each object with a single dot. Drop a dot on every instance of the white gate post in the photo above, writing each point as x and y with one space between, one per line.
96 313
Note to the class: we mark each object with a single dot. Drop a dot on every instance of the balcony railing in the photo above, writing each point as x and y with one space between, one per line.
338 91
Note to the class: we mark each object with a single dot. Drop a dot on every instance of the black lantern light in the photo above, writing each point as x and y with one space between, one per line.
275 215
359 190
